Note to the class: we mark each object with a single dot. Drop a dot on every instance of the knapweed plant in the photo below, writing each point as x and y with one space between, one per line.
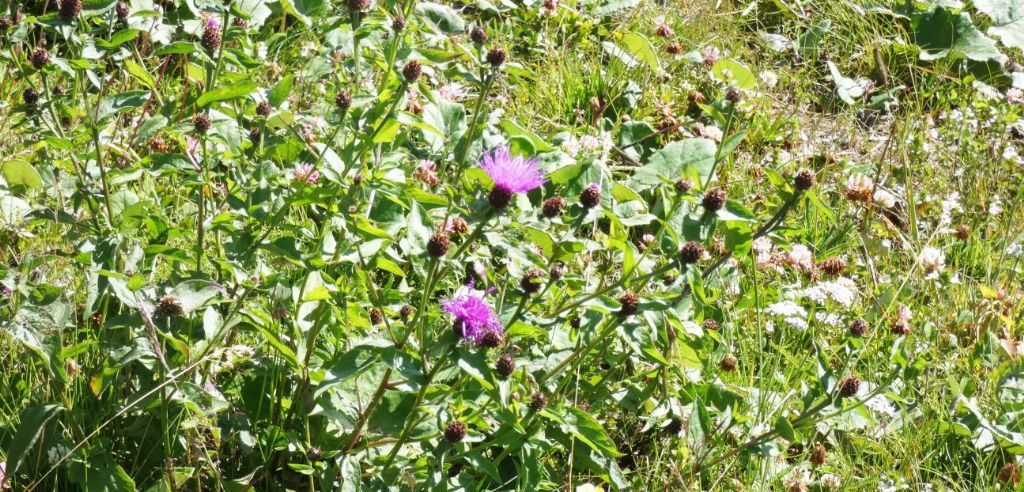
554 245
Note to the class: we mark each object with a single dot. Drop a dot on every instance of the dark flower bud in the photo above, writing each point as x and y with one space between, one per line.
478 35
629 303
254 135
674 48
532 281
201 122
734 95
211 38
398 24
858 327
710 324
263 109
714 200
240 22
314 454
496 57
359 5
438 244
455 432
169 306
343 101
849 387
575 322
804 180
538 401
729 363
683 185
505 365
5 24
691 253
590 197
412 70
59 90
40 57
30 96
833 266
491 339
69 9
557 272
406 312
499 197
376 316
963 232
553 207
900 328
122 10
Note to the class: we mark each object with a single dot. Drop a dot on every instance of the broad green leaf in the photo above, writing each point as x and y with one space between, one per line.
20 173
140 74
692 159
610 7
941 33
238 89
442 17
122 102
640 47
281 90
33 423
734 73
1008 16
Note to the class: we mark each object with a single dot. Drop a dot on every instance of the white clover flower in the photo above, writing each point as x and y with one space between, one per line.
769 79
884 199
932 261
996 207
800 257
859 187
1014 95
452 92
831 481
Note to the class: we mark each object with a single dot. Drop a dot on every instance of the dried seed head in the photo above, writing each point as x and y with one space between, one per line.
40 57
728 363
696 98
538 401
553 207
849 387
590 197
833 266
858 327
674 48
376 316
683 185
691 253
714 200
478 35
211 38
630 302
438 244
804 180
412 70
458 225
263 109
496 57
169 306
343 101
1009 474
819 455
963 232
532 281
499 197
900 327
30 96
505 365
201 122
455 432
69 9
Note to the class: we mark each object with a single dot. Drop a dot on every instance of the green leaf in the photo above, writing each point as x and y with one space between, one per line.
177 48
20 173
588 430
124 101
941 34
96 7
692 159
735 73
784 428
610 7
514 130
118 39
193 294
33 423
238 89
640 47
140 74
811 39
281 91
1008 17
442 17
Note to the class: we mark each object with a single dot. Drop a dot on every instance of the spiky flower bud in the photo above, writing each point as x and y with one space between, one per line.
819 455
496 57
532 281
455 432
201 122
263 109
169 306
714 200
343 101
122 10
438 244
478 35
833 266
69 9
729 363
557 272
900 327
492 339
40 57
683 185
211 38
398 24
590 197
691 253
30 96
314 454
406 312
538 401
412 70
505 365
734 95
804 180
963 232
858 327
376 316
553 207
629 303
849 387
499 197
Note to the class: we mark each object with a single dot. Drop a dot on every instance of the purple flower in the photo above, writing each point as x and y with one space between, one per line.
212 23
511 175
306 172
474 318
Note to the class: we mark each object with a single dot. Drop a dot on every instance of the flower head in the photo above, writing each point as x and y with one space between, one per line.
306 172
511 175
474 318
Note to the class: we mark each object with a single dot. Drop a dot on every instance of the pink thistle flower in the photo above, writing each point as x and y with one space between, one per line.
511 175
474 318
306 172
